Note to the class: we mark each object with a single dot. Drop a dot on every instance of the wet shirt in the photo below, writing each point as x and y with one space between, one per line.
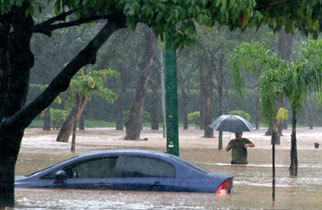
238 152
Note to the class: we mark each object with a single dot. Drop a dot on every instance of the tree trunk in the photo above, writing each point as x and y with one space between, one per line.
81 123
133 125
72 148
120 107
208 132
15 63
154 111
184 108
220 90
269 131
294 163
46 126
257 110
68 125
9 148
202 105
4 61
73 145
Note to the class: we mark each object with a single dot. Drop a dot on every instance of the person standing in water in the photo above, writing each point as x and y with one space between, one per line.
239 147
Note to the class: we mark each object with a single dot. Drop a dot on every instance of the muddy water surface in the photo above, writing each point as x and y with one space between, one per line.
252 183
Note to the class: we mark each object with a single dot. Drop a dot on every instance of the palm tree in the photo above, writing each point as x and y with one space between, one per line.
294 81
302 78
254 58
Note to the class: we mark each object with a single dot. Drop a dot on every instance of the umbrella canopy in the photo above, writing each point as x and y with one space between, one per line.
231 123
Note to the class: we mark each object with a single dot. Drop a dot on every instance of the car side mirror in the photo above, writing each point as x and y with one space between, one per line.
60 177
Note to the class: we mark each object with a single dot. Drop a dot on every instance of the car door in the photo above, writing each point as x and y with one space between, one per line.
144 173
95 173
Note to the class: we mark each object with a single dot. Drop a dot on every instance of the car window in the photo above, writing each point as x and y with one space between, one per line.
191 165
93 168
140 166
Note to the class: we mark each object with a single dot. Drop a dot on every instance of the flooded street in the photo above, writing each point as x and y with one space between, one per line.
252 183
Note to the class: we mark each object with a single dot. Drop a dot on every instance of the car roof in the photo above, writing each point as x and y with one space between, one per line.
127 152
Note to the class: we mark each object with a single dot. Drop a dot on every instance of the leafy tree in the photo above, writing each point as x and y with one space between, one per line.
18 25
81 89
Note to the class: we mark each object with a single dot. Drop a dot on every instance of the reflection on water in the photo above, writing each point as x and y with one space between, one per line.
252 185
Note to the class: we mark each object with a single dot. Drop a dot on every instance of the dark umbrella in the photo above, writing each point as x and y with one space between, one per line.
231 123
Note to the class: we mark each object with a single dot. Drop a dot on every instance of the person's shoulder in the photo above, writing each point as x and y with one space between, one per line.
232 141
246 140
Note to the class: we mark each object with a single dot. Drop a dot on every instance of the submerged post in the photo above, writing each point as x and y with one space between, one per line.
220 141
171 98
274 137
164 130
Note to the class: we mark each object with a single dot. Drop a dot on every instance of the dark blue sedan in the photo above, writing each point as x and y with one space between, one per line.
128 170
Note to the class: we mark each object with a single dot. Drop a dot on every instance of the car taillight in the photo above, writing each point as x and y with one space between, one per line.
224 188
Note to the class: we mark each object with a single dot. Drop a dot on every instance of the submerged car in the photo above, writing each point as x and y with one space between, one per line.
128 170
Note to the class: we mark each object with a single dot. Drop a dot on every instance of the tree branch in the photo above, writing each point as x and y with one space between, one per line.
60 17
48 27
62 80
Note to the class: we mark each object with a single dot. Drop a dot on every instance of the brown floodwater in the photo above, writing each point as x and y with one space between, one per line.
252 183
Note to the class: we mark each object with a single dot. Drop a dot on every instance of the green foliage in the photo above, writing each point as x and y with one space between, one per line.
304 76
295 81
240 113
145 118
282 115
270 90
251 57
194 117
178 17
5 5
93 83
58 117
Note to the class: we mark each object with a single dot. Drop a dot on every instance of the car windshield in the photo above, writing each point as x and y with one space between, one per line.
33 173
187 163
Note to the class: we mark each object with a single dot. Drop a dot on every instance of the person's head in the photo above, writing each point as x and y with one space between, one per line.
238 135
